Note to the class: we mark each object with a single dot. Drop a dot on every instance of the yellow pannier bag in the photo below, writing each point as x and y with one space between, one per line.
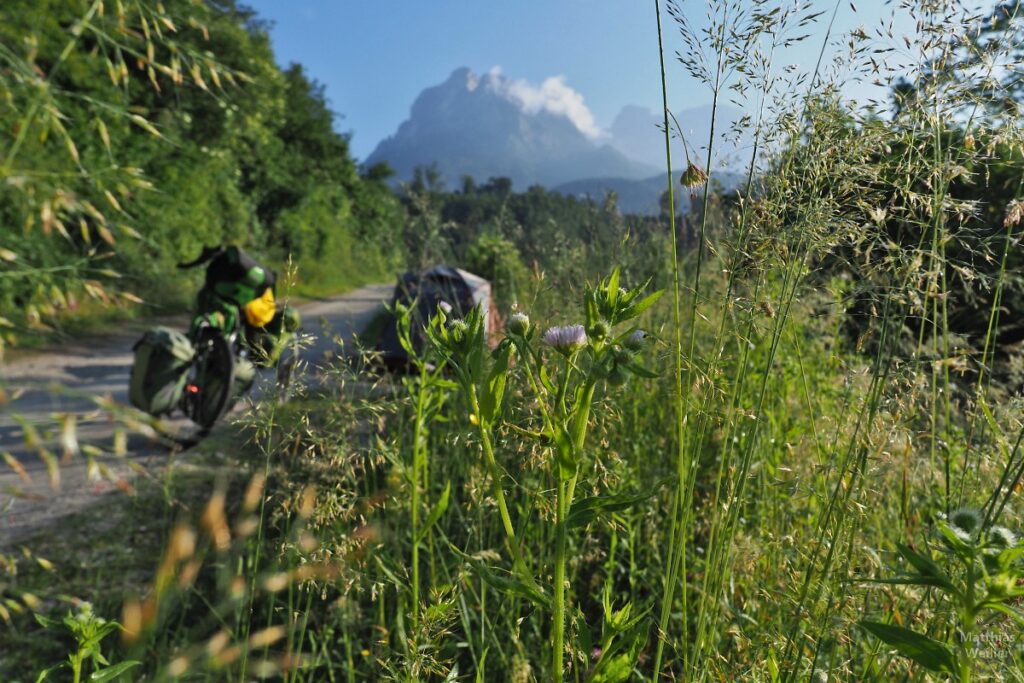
261 311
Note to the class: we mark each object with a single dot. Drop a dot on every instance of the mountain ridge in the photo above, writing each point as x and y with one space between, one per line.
471 125
487 126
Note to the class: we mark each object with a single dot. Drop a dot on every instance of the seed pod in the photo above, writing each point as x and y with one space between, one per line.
693 177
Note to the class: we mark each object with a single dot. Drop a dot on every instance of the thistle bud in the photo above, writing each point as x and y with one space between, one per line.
458 328
635 341
600 329
967 520
518 324
616 376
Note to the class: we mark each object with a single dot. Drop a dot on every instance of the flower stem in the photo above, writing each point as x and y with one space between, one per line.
418 439
558 603
676 527
495 472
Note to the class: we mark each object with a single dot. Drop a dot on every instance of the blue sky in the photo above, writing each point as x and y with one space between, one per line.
375 57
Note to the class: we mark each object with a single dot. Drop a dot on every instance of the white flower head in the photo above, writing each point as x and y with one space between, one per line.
966 519
566 339
1001 537
445 306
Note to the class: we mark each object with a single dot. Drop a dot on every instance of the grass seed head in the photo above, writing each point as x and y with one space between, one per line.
253 493
1014 213
215 522
693 177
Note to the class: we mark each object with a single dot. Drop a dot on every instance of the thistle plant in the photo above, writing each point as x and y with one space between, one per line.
977 577
428 390
563 368
462 345
88 630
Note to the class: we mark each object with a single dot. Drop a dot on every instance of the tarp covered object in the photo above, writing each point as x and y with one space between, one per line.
423 292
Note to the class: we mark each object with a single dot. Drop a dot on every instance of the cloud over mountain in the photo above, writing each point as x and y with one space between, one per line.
489 125
552 96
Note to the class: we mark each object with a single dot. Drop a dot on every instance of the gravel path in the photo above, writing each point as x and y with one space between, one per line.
49 386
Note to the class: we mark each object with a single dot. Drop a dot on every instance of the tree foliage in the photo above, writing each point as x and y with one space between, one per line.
132 134
503 234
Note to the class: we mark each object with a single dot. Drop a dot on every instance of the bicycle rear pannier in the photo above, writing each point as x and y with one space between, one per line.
162 357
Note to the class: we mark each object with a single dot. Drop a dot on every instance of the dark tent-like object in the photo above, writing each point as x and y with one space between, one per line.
424 292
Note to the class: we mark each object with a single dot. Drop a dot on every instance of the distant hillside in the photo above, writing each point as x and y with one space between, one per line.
474 125
639 196
637 132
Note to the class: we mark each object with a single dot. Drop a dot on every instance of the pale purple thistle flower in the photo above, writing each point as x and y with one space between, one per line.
566 339
445 306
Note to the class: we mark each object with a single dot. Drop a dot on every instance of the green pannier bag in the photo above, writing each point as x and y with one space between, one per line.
158 375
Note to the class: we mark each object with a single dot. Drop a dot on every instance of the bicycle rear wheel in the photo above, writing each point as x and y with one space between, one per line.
208 391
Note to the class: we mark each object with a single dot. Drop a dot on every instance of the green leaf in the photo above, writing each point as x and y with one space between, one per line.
509 585
993 425
113 672
45 621
389 573
926 651
45 673
584 636
640 306
927 567
641 371
481 665
494 387
613 287
956 544
435 514
909 580
564 458
773 667
1012 612
1010 555
614 670
545 380
622 644
593 314
586 510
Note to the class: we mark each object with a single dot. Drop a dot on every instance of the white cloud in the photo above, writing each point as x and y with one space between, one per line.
552 96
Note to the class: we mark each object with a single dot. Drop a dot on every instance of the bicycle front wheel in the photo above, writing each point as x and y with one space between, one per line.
208 392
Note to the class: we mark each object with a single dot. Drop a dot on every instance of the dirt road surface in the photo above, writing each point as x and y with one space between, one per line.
52 384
